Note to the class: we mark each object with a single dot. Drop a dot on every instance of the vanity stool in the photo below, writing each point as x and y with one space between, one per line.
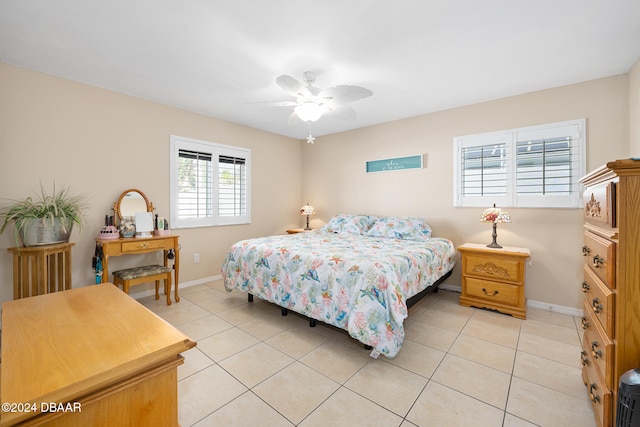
147 273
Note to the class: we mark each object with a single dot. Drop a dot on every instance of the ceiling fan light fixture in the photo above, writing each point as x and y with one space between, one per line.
309 111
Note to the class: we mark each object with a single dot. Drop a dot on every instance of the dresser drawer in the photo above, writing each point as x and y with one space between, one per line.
600 204
600 300
599 394
137 246
598 345
494 292
599 255
494 268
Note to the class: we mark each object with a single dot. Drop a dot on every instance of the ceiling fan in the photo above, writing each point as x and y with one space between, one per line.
312 103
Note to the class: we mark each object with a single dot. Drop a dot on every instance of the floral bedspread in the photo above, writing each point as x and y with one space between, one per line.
355 282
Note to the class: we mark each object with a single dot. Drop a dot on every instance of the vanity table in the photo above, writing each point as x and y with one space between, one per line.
131 202
141 245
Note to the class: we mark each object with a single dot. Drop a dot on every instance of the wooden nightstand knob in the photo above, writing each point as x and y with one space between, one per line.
493 294
585 287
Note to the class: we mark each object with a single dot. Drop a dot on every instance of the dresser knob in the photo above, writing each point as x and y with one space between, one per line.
493 294
583 358
597 306
585 287
594 398
585 250
595 352
144 245
585 323
597 261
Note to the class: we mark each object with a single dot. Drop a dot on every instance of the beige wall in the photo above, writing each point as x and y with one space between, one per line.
334 180
634 110
101 143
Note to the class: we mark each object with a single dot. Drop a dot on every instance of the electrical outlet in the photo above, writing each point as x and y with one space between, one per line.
196 258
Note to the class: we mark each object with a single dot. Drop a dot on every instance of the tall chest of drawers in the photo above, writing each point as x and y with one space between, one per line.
611 283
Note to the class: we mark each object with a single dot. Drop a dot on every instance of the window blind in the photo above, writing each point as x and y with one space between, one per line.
195 198
232 186
484 170
537 166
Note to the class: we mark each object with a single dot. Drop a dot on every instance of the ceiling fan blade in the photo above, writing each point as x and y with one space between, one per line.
292 86
344 93
342 112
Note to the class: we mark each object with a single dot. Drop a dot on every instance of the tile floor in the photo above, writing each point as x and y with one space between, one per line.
459 366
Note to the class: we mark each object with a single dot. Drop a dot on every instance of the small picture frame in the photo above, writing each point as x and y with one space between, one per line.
144 224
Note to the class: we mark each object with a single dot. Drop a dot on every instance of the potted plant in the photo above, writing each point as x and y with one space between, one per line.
46 218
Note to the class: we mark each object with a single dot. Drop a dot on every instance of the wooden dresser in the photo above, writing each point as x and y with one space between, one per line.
611 284
494 278
91 356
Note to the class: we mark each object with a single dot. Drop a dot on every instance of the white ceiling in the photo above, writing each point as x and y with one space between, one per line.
220 57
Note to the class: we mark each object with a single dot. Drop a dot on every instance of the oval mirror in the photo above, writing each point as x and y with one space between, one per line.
132 201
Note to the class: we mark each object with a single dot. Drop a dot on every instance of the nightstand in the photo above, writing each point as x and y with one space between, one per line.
494 278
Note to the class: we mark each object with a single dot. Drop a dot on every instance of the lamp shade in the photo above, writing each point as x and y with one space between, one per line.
495 215
307 210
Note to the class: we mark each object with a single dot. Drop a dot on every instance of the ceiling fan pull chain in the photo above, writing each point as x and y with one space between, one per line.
310 139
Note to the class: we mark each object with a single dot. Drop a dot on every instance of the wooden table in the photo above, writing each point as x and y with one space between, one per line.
141 245
39 270
95 353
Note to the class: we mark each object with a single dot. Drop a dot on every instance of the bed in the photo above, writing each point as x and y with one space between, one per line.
358 273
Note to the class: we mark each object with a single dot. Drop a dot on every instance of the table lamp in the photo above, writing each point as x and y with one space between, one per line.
495 215
307 210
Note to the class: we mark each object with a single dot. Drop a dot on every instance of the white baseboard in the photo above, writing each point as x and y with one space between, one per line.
530 303
576 312
150 292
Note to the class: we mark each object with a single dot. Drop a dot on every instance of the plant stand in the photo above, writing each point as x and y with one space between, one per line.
39 270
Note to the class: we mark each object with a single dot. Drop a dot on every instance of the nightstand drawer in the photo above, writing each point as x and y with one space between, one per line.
600 299
494 292
494 268
599 255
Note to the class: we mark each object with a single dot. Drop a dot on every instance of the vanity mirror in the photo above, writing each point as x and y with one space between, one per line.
131 204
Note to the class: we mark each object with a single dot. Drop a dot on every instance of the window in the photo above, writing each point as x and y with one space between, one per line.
537 166
210 183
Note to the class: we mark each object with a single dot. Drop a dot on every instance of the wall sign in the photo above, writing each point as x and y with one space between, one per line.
394 164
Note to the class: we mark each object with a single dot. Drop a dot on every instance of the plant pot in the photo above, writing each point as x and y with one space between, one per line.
45 232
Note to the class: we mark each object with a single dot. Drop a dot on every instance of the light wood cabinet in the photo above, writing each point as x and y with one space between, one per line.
494 278
611 283
94 352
